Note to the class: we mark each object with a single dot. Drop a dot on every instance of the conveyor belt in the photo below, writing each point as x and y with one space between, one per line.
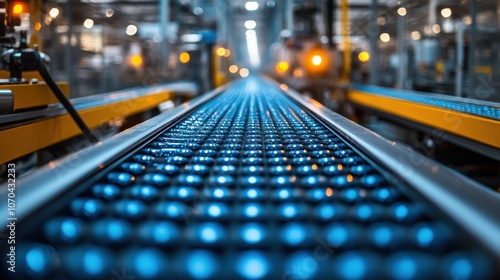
253 184
479 108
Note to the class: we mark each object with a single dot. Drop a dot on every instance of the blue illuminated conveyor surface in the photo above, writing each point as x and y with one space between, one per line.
250 185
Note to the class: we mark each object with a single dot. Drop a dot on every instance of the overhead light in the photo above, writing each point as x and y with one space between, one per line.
251 5
244 72
54 12
446 12
184 57
251 33
402 11
364 56
221 51
88 23
436 28
250 24
131 30
198 11
381 21
233 69
110 12
385 37
191 38
415 35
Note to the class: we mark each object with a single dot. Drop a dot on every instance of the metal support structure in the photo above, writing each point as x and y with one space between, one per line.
472 47
68 61
330 22
459 67
432 15
373 33
164 18
289 15
403 67
346 65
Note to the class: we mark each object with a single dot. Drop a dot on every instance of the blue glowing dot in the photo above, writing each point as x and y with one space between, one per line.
401 212
133 208
252 265
252 193
302 265
224 168
218 193
183 192
294 234
148 263
115 230
251 211
284 194
253 168
35 260
90 206
173 210
352 266
351 194
364 212
281 180
326 211
252 180
461 269
404 267
318 194
214 210
146 191
311 180
425 236
382 236
337 235
289 211
164 231
252 233
201 264
93 262
208 234
190 179
222 179
69 229
384 194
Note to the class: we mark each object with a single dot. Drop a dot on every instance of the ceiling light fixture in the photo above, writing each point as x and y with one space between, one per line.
251 5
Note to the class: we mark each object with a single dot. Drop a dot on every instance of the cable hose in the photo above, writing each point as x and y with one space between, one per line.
42 69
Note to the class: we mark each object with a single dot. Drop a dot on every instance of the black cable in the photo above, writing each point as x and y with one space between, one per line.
64 101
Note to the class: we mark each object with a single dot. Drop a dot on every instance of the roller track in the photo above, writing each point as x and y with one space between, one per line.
250 185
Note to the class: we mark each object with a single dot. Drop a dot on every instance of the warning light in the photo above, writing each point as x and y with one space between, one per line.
282 67
221 51
17 9
317 60
136 60
184 57
364 56
38 26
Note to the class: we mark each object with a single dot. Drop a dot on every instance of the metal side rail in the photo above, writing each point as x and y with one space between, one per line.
251 182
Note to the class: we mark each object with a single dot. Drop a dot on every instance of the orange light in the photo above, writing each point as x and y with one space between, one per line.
314 166
136 60
18 8
227 53
244 72
38 26
282 67
329 192
298 72
350 178
364 56
284 87
317 60
221 51
233 69
184 57
340 167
